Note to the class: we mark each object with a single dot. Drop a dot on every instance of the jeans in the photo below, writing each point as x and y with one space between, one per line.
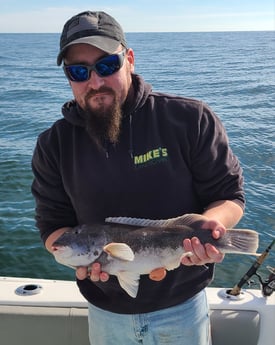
184 324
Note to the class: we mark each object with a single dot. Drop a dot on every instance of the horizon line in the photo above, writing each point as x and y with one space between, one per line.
144 32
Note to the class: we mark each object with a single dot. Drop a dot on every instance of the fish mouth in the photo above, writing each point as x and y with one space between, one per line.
56 248
61 251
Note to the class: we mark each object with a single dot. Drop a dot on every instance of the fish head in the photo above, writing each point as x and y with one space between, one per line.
79 246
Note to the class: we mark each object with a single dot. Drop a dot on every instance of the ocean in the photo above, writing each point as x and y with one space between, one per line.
232 71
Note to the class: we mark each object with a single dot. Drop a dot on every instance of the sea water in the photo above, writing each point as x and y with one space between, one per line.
231 71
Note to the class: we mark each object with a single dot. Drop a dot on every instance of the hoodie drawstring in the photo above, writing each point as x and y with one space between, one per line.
131 137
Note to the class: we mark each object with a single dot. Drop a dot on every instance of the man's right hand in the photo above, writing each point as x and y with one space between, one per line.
92 272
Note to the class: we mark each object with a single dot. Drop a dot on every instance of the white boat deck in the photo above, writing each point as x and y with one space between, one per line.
57 314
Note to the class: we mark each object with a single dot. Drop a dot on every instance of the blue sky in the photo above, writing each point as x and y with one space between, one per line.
142 15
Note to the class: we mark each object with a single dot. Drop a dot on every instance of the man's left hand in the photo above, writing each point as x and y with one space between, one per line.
203 254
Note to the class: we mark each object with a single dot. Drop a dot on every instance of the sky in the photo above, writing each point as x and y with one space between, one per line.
141 15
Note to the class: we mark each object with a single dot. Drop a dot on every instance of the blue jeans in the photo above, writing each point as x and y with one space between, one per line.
184 324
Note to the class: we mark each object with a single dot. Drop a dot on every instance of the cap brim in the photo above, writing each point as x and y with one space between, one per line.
104 43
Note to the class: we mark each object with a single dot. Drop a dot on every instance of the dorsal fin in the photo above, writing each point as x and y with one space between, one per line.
137 221
188 219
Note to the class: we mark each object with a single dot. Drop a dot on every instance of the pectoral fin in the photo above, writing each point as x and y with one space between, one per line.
158 274
119 251
129 281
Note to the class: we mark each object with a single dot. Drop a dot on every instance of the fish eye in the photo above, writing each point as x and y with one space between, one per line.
96 253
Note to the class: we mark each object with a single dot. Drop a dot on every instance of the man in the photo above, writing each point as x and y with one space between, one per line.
123 150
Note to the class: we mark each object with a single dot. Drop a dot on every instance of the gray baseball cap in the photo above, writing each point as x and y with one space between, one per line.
98 29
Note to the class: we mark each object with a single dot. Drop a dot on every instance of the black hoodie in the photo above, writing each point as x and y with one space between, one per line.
172 158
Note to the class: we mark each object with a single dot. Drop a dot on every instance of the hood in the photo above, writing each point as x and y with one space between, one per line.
136 99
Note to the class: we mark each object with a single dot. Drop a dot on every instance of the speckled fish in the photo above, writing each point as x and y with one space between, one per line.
130 247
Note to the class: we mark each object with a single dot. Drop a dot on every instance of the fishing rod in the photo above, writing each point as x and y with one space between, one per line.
268 286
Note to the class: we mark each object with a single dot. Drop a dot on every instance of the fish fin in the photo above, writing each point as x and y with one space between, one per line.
240 241
158 274
119 251
136 221
129 281
186 219
189 219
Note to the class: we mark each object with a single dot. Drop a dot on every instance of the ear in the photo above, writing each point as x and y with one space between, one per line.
131 59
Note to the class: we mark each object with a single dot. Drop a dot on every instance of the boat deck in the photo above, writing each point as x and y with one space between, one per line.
56 314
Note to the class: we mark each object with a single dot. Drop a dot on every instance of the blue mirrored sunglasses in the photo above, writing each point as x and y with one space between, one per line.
104 67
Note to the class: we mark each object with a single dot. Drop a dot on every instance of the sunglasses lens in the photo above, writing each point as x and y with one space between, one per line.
77 73
104 67
108 65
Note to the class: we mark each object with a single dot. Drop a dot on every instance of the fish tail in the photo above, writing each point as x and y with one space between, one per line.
240 241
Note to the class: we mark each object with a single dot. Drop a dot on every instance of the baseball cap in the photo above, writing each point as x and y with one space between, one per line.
98 29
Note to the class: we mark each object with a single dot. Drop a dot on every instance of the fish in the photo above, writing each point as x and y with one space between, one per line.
131 247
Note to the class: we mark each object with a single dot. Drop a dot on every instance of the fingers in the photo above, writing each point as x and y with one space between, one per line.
93 273
199 254
202 254
81 273
96 274
217 228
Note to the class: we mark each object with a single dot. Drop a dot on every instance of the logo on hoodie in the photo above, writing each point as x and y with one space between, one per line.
154 156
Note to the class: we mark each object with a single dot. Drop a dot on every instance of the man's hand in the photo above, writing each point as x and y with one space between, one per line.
203 254
93 273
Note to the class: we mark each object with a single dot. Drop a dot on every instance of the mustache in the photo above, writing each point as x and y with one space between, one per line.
102 89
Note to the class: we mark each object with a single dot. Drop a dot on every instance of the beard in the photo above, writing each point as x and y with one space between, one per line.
103 121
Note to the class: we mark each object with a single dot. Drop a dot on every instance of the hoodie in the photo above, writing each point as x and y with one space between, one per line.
172 158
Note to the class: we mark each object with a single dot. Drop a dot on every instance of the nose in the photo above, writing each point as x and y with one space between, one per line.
95 81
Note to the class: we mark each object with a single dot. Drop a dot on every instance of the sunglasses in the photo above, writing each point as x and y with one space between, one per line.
104 67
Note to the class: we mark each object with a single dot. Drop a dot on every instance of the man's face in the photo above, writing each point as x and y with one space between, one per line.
101 97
